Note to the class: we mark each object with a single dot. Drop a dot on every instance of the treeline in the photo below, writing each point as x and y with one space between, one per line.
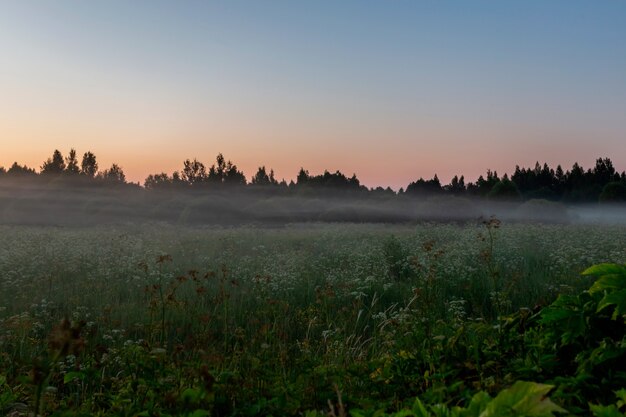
67 167
599 183
602 182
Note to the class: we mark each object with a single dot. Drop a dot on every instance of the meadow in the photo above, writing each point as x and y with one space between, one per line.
310 319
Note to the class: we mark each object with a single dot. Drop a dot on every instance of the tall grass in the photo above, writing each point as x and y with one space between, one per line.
253 301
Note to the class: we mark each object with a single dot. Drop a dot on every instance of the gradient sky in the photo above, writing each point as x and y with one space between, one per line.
389 90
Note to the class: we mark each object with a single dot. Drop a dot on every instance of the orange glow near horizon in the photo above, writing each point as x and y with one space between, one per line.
375 165
391 92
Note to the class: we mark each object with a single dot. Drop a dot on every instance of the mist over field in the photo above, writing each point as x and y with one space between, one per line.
35 204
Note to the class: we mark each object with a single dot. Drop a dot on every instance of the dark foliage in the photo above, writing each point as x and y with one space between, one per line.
600 183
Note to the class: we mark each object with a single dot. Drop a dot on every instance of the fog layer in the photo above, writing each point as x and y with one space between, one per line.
31 203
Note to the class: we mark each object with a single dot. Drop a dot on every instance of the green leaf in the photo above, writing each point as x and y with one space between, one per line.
419 410
608 283
605 269
621 397
605 411
567 315
618 299
70 376
562 303
477 404
191 395
527 399
404 413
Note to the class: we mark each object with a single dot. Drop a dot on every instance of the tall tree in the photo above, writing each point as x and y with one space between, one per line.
193 172
263 178
303 177
232 176
89 165
217 170
223 172
456 186
71 163
54 165
604 172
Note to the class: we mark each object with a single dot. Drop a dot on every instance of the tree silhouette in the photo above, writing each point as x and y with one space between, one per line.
380 191
505 189
163 181
17 170
54 165
483 186
177 180
156 181
613 192
331 181
89 165
602 182
262 178
560 179
194 172
223 172
115 174
456 186
233 176
216 173
423 186
604 172
71 163
303 177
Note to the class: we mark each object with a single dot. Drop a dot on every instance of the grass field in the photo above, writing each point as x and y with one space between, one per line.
306 318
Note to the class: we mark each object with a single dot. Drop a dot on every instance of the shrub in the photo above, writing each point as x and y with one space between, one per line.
613 192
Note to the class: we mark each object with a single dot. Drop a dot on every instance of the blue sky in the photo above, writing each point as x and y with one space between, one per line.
390 90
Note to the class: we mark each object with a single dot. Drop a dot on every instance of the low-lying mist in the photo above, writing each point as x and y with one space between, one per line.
34 204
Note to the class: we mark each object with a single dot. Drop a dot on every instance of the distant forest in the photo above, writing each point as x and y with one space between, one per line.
601 183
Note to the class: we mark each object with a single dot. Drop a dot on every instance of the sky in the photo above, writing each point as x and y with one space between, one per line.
390 90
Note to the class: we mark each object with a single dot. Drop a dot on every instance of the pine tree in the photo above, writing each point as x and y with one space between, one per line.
54 165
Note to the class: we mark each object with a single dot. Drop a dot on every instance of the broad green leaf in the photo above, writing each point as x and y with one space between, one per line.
522 399
618 299
605 411
562 303
605 269
477 404
566 316
554 315
608 283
